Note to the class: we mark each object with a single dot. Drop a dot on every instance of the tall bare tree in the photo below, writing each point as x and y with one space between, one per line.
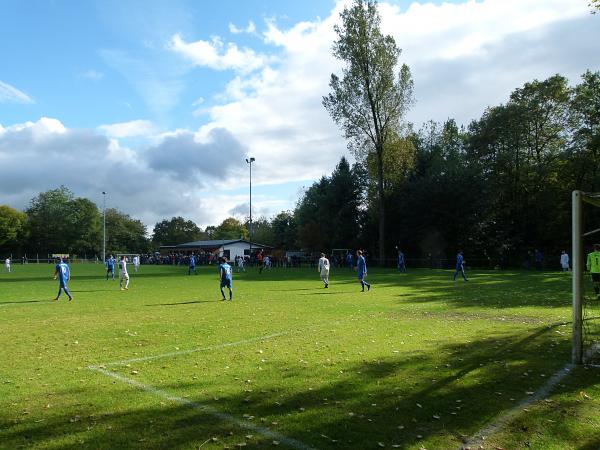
371 97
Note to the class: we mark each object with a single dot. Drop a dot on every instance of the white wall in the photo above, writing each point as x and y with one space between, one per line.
236 249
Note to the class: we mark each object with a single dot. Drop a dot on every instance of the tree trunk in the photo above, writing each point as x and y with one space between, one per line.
381 205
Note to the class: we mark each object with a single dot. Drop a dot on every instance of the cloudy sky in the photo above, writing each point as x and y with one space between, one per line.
159 103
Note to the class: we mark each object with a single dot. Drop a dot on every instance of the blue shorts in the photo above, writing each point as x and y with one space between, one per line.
226 283
361 276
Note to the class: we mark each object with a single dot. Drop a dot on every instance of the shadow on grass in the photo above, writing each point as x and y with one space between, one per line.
432 399
26 301
99 277
191 302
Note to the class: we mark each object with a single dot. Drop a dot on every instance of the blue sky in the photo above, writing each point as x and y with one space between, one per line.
71 57
159 103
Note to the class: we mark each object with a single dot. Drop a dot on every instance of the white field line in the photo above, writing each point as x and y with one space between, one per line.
206 409
193 350
478 438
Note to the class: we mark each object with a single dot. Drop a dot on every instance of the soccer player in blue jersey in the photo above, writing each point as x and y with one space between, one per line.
225 274
460 266
192 265
349 261
361 267
63 274
401 261
110 267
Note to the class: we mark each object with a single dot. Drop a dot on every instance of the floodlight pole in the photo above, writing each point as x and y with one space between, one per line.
103 227
250 161
577 252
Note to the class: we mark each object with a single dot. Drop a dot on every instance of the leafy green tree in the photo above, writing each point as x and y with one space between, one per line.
86 225
585 120
371 98
329 214
230 228
58 222
174 231
522 149
262 231
284 228
49 221
125 234
12 226
595 5
312 214
210 232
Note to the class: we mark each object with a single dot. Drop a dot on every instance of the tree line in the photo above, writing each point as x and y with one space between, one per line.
497 189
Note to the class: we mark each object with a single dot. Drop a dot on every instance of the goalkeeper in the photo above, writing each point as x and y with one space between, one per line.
593 266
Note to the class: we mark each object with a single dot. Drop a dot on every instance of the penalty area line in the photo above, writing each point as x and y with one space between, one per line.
193 350
501 421
290 442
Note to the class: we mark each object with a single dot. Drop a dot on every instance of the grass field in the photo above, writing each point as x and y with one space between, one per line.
415 363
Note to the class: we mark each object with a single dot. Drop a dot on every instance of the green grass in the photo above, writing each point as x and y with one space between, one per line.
416 363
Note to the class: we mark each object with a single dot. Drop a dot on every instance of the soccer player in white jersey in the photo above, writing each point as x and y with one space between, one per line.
323 269
7 264
136 263
564 261
240 264
123 275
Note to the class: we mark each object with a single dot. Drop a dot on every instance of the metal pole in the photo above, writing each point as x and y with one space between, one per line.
104 227
577 251
250 161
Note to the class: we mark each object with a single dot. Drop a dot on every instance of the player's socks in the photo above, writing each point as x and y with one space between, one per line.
368 286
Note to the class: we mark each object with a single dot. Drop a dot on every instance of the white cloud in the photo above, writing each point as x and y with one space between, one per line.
93 75
186 155
168 179
463 56
44 128
10 93
216 55
134 128
250 28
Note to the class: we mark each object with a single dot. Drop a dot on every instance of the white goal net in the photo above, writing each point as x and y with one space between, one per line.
586 285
